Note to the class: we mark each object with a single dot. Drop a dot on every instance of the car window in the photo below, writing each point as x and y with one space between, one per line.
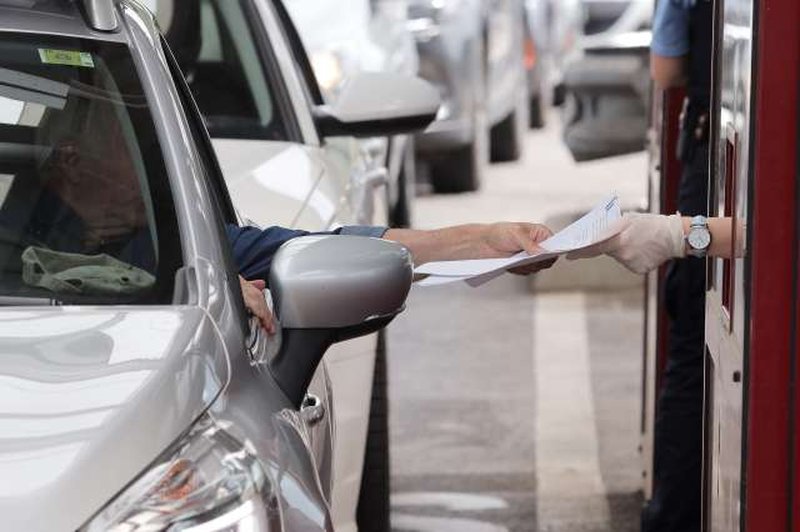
86 211
225 73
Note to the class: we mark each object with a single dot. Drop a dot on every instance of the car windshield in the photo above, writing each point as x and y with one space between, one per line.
214 44
86 212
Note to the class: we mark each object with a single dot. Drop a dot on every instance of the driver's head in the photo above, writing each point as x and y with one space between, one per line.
93 172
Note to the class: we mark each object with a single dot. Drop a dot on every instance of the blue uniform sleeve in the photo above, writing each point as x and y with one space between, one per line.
253 248
671 28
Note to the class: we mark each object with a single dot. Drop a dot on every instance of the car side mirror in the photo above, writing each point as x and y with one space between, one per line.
328 289
378 104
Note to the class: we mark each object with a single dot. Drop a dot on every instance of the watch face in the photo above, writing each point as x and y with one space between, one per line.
699 238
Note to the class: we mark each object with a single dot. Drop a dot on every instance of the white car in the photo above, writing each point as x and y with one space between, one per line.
288 162
346 37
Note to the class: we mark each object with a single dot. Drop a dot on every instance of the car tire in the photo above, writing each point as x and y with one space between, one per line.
400 213
462 169
537 112
508 136
457 171
372 514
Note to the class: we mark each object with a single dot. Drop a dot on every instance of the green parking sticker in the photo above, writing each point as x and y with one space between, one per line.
66 57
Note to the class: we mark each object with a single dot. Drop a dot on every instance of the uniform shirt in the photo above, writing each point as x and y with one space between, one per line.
254 248
684 28
671 28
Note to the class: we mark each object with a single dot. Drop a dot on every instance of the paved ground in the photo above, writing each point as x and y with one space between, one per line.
514 410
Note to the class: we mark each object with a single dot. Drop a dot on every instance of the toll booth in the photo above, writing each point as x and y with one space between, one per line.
751 481
751 456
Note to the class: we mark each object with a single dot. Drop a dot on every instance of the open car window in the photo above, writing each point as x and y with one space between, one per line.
86 211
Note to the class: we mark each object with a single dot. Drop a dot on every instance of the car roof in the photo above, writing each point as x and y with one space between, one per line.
61 17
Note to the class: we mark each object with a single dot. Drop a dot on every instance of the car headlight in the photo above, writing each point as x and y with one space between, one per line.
328 70
208 481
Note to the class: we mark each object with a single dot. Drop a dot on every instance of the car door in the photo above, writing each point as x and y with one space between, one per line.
244 184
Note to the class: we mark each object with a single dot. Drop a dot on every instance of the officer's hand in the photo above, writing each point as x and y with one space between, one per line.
507 238
256 304
644 242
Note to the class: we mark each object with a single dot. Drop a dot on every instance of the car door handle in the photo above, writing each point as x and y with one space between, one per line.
312 410
374 178
374 149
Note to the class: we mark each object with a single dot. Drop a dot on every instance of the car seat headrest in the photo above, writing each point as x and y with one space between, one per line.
183 31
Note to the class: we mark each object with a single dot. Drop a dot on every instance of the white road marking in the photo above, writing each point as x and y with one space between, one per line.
441 524
569 484
452 502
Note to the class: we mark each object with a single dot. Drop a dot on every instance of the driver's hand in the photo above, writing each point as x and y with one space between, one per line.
508 238
256 304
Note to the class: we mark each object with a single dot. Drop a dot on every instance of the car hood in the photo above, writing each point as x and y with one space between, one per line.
275 183
89 397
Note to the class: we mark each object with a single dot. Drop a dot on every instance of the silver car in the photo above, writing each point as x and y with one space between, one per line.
136 393
251 79
608 88
472 50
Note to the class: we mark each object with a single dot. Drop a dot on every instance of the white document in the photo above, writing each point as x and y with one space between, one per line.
590 229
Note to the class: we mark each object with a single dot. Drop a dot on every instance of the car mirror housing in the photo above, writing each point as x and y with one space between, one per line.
328 289
379 104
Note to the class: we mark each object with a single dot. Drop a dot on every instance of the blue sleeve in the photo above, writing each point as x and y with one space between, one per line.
253 248
670 29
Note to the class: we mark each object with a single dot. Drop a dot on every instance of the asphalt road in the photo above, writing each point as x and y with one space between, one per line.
515 409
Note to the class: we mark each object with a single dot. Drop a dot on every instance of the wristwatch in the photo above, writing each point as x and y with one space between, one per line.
699 238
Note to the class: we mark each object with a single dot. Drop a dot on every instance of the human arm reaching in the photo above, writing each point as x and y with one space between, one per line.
474 241
254 248
645 241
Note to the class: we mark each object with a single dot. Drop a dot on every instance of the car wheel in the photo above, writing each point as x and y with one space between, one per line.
400 213
372 514
461 170
508 136
537 112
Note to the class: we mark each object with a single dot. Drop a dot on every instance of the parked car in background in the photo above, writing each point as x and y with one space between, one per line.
472 50
345 37
137 394
605 19
287 162
608 89
554 32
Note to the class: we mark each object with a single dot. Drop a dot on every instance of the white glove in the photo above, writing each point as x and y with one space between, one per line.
645 242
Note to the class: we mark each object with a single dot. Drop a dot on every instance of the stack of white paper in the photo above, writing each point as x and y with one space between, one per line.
592 228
